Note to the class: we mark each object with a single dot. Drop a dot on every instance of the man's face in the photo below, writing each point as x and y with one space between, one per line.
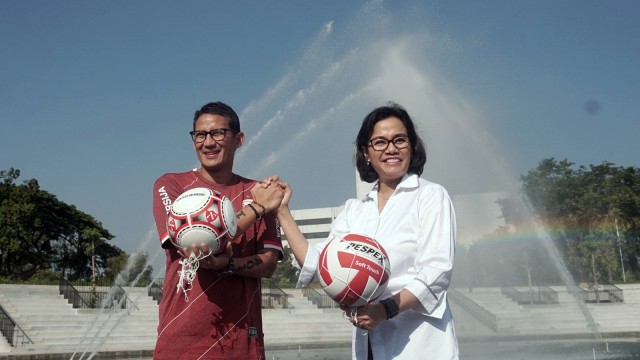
216 155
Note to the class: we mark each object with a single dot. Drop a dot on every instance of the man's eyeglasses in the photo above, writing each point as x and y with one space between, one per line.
216 134
381 144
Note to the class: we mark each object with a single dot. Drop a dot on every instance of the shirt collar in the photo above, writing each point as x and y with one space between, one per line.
409 181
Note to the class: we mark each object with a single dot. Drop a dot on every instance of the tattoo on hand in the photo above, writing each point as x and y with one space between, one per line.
250 264
241 214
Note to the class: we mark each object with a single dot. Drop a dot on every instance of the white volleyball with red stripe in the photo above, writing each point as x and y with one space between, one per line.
353 270
200 215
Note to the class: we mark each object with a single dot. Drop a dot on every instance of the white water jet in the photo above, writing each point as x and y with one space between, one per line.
311 116
101 323
573 289
313 120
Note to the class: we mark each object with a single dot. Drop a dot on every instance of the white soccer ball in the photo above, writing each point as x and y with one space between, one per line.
201 215
353 270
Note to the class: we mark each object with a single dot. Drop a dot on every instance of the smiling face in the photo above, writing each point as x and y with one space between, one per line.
391 163
216 156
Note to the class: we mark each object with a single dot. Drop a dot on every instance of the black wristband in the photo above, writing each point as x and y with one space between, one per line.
391 307
228 270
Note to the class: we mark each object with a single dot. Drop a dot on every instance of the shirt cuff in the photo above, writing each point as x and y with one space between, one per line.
309 268
431 305
165 241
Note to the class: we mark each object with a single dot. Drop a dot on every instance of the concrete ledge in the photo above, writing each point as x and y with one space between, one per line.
67 355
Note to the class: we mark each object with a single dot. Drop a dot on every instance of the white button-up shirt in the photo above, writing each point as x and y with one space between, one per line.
417 229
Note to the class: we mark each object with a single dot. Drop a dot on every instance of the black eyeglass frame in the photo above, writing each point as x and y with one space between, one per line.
377 147
216 134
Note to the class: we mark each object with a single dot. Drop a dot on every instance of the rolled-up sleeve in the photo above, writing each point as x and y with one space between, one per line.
309 268
435 252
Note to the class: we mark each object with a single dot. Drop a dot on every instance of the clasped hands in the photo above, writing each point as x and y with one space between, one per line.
269 193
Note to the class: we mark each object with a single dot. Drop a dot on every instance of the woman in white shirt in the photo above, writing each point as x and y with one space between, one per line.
414 221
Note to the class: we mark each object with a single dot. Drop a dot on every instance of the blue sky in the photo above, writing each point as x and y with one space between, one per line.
97 98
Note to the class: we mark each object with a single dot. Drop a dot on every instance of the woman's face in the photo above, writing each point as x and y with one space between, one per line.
389 150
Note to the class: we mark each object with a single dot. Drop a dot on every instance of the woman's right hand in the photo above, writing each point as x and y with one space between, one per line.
287 195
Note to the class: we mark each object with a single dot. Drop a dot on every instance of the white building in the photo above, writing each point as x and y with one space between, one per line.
314 223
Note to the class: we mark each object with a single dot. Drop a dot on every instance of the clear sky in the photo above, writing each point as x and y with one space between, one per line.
97 98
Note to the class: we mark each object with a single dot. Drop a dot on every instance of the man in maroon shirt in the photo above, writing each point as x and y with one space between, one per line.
221 317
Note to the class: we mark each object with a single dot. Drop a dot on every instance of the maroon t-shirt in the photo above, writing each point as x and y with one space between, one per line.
222 317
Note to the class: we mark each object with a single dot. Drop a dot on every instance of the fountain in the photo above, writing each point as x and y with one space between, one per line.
90 345
310 118
311 115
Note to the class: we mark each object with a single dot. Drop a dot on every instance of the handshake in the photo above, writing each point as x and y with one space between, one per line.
271 194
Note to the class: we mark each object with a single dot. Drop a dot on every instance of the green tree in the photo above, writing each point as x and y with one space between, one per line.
584 208
504 258
40 232
130 270
285 276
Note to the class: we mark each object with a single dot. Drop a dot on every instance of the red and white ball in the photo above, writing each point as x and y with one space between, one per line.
353 270
201 215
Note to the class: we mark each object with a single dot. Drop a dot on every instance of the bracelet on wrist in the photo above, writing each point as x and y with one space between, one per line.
258 217
264 209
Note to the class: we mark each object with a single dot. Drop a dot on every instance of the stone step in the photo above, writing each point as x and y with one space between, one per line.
122 345
52 338
293 340
73 329
303 324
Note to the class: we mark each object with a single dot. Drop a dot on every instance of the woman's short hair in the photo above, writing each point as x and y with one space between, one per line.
418 150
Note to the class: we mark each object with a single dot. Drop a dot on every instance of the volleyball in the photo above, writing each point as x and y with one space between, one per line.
201 215
353 270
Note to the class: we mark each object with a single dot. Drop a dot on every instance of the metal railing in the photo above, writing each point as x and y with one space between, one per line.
480 313
607 293
96 297
12 331
70 293
318 299
273 297
532 295
155 289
